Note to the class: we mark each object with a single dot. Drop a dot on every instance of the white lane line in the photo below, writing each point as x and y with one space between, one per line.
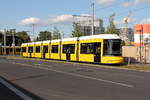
82 76
16 91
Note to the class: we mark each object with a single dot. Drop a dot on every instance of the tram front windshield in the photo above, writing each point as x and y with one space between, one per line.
112 47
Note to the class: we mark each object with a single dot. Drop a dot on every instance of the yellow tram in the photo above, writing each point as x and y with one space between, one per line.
103 48
1 50
8 50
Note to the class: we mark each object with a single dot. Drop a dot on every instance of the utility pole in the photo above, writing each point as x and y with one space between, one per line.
33 30
140 36
93 5
5 41
13 38
140 46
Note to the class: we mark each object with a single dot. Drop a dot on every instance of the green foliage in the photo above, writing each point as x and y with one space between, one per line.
20 37
23 37
111 28
76 30
44 35
8 38
56 34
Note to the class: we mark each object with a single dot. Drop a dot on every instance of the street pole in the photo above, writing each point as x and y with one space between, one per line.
4 41
140 47
13 33
33 29
93 18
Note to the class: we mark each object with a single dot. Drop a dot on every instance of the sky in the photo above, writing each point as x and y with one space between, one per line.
45 14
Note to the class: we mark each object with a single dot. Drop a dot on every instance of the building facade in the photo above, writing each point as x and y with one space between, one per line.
130 34
141 34
86 27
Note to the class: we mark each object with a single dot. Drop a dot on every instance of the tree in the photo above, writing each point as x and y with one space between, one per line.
8 38
111 28
20 37
76 30
44 35
56 34
23 37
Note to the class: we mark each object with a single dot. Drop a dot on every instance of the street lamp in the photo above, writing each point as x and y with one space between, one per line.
5 41
4 35
141 42
13 38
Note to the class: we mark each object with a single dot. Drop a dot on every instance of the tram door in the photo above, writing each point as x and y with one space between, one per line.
97 52
68 53
45 50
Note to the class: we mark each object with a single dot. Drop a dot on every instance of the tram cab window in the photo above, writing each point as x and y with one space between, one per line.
23 49
45 49
71 47
37 49
30 49
112 47
54 48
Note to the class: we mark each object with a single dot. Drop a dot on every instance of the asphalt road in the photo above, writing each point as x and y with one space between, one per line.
52 80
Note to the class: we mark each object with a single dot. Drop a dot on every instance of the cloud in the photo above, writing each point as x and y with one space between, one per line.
145 21
126 4
105 2
29 21
62 19
134 2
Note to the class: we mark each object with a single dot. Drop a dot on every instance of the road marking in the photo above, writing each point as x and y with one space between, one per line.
82 76
16 91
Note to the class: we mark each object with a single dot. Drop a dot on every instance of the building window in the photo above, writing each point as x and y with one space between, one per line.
30 49
37 49
54 48
23 49
45 49
69 47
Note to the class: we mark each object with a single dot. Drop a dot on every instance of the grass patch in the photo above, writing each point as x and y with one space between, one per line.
138 67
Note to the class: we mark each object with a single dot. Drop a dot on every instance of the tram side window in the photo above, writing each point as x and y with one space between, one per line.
54 48
17 49
30 49
37 49
45 49
71 47
23 49
87 48
106 47
10 49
